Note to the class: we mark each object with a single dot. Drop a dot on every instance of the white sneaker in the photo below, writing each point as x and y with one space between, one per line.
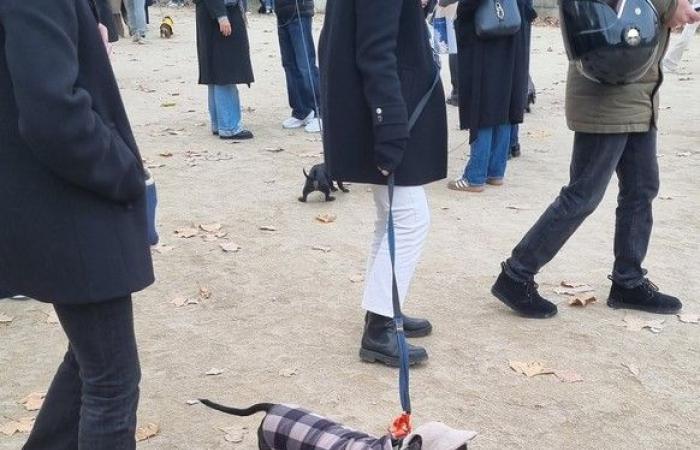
293 123
314 126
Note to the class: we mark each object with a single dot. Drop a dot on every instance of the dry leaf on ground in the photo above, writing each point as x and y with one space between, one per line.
213 372
689 318
530 369
573 284
573 291
357 278
634 370
321 248
192 402
33 401
326 218
234 435
204 293
637 324
4 318
145 433
23 425
274 149
568 376
211 227
230 247
288 373
168 104
181 301
582 300
166 154
186 232
268 228
683 154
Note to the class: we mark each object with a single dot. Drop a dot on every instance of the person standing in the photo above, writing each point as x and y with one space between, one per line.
294 27
615 132
675 54
136 19
493 81
223 52
75 233
449 8
376 66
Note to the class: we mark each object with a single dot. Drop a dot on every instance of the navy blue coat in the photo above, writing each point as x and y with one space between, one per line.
72 200
376 64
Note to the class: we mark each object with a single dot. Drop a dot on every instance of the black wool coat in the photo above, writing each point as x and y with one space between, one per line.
287 9
222 60
376 64
71 177
493 73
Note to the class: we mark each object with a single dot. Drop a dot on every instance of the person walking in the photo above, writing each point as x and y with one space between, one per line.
615 132
75 232
448 10
136 19
294 27
223 52
376 67
493 81
675 54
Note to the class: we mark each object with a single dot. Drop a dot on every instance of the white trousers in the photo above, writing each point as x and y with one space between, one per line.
411 222
673 57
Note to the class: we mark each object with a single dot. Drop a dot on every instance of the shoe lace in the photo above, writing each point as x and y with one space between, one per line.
650 287
531 289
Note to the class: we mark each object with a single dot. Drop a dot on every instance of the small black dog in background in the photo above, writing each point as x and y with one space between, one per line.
318 179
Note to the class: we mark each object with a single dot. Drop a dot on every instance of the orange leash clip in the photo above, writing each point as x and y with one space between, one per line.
401 427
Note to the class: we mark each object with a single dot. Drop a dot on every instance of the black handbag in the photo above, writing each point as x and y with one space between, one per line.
497 18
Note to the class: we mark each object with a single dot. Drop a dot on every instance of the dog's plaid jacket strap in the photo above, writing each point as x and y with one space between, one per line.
291 428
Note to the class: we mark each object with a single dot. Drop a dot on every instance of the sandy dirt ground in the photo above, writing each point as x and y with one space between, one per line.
283 321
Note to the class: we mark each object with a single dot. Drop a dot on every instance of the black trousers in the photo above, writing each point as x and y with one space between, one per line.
92 401
595 158
454 75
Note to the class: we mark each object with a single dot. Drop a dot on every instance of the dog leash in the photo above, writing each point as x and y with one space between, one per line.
402 427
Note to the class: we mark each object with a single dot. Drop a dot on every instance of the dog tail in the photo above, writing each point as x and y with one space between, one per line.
305 174
260 407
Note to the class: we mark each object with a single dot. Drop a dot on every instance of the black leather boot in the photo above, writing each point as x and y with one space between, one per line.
413 327
645 297
379 343
522 297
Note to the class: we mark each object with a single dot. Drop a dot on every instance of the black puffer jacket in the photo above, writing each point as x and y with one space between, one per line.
287 9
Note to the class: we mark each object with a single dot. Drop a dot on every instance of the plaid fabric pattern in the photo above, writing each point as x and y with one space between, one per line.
292 428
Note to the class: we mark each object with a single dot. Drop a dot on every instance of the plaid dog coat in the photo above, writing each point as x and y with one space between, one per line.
292 428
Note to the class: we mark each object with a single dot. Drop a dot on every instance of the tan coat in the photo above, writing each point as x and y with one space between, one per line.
633 108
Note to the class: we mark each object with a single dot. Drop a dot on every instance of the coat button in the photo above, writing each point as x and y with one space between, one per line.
379 110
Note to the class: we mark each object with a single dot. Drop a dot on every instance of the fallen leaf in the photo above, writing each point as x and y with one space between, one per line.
568 376
163 248
689 318
33 401
204 293
235 435
321 248
221 234
274 149
665 197
145 433
186 232
166 154
516 207
582 300
192 402
683 154
309 155
168 104
573 291
23 425
530 369
634 370
637 324
4 318
52 318
288 373
267 228
357 278
181 301
230 247
326 218
573 284
211 227
213 372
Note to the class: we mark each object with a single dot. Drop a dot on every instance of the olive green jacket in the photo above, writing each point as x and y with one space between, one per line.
633 108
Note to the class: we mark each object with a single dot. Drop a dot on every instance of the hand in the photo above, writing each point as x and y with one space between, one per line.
225 27
105 37
384 172
684 15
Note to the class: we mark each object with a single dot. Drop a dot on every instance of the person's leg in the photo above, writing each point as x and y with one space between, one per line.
103 343
476 171
212 109
454 78
291 72
499 154
228 109
305 55
56 426
515 141
673 58
136 17
594 160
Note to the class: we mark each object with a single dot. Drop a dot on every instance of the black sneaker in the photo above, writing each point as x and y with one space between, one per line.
240 136
645 297
522 297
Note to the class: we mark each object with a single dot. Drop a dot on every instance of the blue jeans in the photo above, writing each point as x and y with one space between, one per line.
299 62
225 110
136 16
489 155
93 398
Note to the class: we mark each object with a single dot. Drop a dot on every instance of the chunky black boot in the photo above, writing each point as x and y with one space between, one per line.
379 343
413 327
515 151
522 297
645 297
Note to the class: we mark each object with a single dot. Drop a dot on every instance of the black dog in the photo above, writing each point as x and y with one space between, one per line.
319 180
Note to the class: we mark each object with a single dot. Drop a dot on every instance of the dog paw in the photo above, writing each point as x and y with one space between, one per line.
302 199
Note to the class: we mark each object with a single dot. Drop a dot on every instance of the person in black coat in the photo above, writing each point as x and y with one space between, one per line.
223 51
493 80
75 229
376 66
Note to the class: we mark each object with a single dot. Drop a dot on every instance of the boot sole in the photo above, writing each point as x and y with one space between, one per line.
425 332
512 306
373 357
614 304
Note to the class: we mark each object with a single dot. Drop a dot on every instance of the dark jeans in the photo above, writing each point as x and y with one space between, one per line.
299 62
595 158
454 75
92 401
